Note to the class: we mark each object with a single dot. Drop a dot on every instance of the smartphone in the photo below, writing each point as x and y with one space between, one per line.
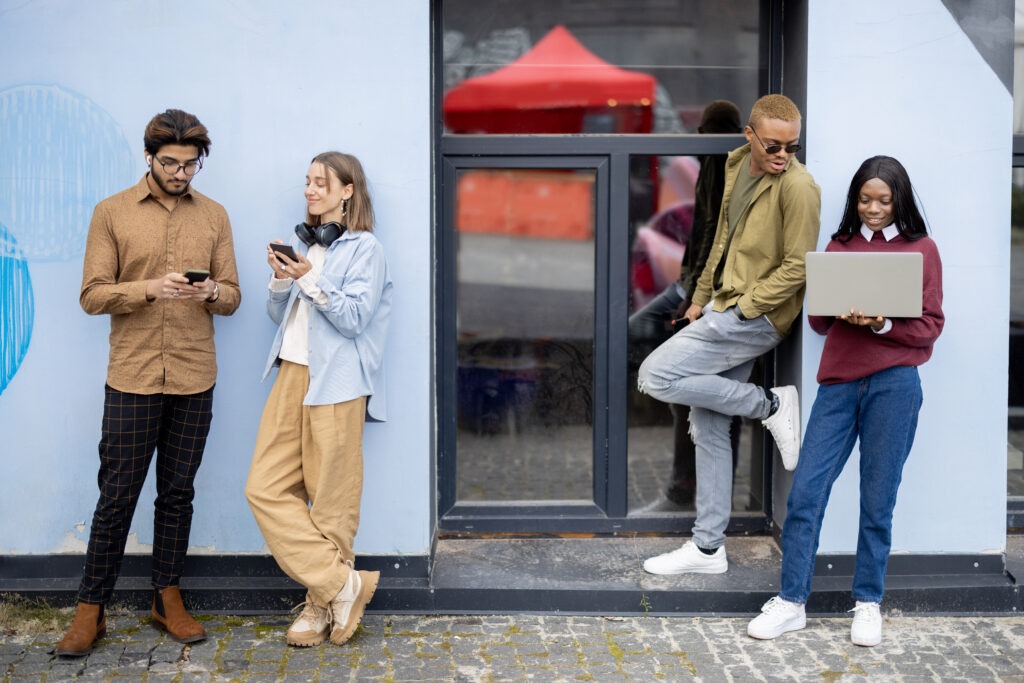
194 275
284 249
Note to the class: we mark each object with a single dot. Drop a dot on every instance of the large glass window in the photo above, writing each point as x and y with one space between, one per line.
560 218
1015 426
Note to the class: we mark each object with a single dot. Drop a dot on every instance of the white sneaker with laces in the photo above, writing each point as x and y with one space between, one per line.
784 425
311 628
688 559
866 630
777 616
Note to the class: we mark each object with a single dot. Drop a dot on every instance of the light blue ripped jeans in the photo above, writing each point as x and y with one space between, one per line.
706 366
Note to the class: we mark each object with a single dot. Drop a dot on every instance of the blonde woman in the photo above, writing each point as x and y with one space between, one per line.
330 296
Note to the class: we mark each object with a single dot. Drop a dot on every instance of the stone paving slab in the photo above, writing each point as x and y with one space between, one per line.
474 648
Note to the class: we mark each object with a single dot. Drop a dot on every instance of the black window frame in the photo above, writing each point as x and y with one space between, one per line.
609 156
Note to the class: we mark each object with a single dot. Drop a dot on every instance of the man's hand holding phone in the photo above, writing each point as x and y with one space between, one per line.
193 285
201 287
693 312
679 319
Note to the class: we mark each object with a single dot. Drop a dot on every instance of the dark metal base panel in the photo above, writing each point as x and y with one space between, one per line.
577 576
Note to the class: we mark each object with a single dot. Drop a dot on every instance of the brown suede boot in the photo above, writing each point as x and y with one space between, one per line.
169 615
88 626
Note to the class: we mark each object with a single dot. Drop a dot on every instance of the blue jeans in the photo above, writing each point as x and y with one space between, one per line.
706 366
882 411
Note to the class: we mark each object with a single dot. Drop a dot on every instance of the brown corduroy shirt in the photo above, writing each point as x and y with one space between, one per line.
162 346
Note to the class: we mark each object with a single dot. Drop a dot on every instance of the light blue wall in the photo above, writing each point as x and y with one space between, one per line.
902 78
275 83
278 82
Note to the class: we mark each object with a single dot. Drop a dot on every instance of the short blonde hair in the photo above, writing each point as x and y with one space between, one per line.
774 107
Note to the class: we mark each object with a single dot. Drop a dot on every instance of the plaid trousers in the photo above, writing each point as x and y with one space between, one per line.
134 425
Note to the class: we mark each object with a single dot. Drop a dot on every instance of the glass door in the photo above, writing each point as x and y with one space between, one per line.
523 292
524 326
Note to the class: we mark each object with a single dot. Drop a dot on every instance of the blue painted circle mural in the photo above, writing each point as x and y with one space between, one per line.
60 154
16 307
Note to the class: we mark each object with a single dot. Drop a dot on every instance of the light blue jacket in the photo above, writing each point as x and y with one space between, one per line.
346 336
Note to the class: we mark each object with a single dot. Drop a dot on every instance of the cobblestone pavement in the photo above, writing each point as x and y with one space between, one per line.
538 648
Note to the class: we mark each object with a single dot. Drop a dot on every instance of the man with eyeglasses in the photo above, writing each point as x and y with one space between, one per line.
142 243
746 300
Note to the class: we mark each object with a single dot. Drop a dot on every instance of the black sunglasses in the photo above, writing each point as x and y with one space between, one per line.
775 148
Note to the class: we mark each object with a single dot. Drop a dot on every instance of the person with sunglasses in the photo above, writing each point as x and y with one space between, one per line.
747 297
160 378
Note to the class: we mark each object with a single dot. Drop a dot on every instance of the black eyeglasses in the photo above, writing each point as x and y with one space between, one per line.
172 166
774 148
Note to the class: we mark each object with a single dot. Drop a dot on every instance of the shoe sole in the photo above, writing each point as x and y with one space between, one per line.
695 570
366 591
770 636
299 641
81 653
160 626
794 418
865 643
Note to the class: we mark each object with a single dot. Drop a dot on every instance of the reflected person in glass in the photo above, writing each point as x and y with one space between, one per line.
656 320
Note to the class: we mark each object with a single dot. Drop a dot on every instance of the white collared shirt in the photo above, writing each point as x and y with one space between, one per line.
888 232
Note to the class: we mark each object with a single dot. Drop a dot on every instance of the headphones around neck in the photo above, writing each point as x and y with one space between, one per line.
324 235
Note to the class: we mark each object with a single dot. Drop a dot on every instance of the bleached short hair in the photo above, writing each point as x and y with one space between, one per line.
774 107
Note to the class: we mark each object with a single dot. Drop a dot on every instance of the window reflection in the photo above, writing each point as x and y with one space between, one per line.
555 87
571 67
525 325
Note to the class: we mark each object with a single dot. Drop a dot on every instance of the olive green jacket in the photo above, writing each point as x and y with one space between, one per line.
764 267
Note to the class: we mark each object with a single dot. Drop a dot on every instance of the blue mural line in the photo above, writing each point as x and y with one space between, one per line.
16 308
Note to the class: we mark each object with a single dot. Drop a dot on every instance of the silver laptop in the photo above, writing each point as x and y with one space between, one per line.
877 283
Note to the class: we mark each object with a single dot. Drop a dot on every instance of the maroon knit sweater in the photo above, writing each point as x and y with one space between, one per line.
853 352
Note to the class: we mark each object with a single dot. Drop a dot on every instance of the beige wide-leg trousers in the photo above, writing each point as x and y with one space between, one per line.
306 482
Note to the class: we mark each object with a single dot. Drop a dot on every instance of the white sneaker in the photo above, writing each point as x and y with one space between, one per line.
867 624
785 425
777 616
688 559
348 605
311 627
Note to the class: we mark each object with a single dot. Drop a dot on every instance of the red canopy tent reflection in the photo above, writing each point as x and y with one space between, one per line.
557 87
